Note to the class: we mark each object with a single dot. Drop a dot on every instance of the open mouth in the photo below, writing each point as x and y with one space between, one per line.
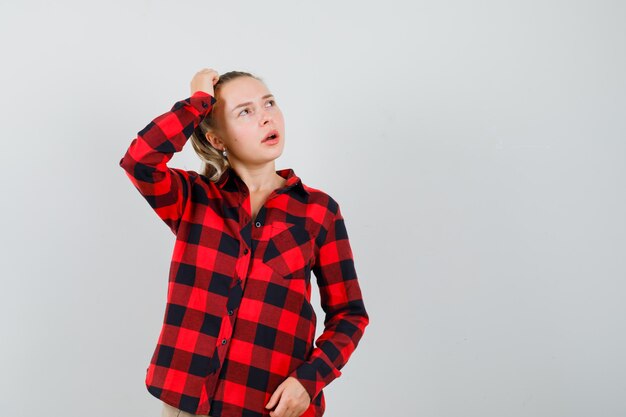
272 135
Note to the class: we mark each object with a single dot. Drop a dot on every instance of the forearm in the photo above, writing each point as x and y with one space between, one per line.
145 161
333 348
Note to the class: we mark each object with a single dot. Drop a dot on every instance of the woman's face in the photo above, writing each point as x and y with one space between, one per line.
245 113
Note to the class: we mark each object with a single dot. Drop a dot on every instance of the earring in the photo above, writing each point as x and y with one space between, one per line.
224 152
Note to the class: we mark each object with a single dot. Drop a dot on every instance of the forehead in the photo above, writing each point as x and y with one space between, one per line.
241 90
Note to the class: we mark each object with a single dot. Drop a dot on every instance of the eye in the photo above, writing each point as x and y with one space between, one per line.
241 113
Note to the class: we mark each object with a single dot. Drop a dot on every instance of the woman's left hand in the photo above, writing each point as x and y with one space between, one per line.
291 397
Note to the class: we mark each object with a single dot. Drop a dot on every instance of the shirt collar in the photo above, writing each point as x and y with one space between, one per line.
229 179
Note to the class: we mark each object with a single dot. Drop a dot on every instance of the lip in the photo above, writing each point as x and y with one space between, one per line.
270 133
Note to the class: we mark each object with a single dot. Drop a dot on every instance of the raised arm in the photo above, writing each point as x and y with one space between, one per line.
145 161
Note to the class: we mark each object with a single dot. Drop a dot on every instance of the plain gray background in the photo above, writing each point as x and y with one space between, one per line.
476 149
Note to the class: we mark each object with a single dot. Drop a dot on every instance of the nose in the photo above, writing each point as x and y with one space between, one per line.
266 117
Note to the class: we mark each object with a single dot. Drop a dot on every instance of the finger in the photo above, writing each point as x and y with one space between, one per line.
281 410
294 413
274 398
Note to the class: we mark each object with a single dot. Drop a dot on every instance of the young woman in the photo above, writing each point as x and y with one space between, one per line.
238 330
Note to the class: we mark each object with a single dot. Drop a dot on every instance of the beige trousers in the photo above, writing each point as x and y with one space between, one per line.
169 411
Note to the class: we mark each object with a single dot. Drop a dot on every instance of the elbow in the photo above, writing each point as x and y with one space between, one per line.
126 162
353 312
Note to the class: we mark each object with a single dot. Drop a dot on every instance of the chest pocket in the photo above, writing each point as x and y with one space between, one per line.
288 250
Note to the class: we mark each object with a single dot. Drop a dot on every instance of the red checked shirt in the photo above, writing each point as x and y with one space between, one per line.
238 319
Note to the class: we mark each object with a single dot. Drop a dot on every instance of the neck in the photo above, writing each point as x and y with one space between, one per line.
260 178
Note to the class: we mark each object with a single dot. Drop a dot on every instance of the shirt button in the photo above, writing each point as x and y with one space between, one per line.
245 251
258 224
223 341
230 312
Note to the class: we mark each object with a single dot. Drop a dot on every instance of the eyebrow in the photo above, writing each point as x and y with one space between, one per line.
247 103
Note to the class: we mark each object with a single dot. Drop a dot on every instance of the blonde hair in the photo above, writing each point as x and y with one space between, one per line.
214 163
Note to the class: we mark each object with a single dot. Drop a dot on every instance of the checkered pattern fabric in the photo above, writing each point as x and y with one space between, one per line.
238 319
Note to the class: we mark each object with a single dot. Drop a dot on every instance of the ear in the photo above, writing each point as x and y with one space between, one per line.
215 141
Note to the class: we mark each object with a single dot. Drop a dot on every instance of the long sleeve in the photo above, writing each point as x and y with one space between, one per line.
145 161
341 300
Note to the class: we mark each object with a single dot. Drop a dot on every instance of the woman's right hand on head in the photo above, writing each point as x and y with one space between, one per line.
204 80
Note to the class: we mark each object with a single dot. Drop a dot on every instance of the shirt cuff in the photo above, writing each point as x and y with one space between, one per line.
202 100
315 374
